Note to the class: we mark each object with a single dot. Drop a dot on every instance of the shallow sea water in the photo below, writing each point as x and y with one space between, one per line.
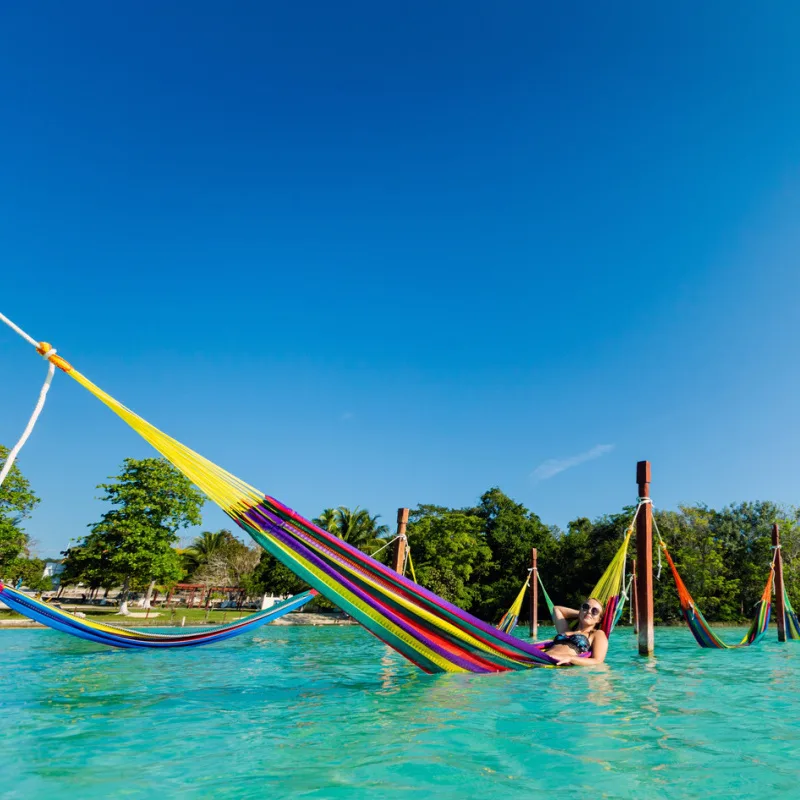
332 713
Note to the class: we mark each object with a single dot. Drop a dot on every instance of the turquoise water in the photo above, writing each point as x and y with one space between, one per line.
332 713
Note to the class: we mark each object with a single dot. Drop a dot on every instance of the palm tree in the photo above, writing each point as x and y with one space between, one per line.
202 548
355 526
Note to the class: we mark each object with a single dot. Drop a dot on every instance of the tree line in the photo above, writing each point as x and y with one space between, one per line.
476 557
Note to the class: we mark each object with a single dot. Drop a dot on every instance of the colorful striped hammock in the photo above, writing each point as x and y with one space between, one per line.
700 628
115 636
790 618
429 631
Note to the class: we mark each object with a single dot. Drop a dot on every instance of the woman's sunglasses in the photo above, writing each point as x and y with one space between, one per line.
594 610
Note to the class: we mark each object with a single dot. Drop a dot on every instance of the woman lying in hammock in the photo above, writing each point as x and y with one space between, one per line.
569 646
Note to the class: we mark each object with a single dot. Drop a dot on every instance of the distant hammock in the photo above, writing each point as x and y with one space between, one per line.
700 628
610 591
116 636
790 618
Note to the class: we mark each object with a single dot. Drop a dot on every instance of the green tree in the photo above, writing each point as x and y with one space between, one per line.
204 546
31 572
699 557
150 502
226 561
510 531
744 531
789 525
17 501
355 526
272 577
90 562
449 553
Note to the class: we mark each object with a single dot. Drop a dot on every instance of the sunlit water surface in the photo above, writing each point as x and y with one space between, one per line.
332 713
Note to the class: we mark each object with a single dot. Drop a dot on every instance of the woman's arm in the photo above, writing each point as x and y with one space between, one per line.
561 617
599 652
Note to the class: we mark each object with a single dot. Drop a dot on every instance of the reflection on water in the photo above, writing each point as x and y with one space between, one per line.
331 712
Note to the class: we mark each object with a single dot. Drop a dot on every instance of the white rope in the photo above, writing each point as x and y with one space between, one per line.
658 533
40 403
630 605
392 541
29 339
643 501
32 421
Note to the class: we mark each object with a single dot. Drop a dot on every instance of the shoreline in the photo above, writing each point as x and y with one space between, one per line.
132 622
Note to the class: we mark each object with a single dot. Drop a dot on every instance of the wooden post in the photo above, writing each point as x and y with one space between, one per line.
644 557
635 599
208 598
400 551
534 596
780 609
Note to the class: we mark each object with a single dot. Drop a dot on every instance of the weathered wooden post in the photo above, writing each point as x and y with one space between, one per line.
534 579
635 599
644 558
402 542
780 608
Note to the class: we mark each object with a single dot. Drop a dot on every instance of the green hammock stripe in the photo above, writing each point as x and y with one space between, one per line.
546 596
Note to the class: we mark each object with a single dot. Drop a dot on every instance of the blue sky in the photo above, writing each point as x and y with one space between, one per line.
381 256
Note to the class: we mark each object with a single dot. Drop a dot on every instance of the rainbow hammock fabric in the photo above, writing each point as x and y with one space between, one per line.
700 628
790 618
429 631
113 636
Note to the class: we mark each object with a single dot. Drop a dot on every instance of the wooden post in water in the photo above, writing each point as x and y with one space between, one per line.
534 596
400 551
644 558
635 598
780 608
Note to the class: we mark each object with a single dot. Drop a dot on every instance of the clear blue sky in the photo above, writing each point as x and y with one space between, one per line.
381 255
